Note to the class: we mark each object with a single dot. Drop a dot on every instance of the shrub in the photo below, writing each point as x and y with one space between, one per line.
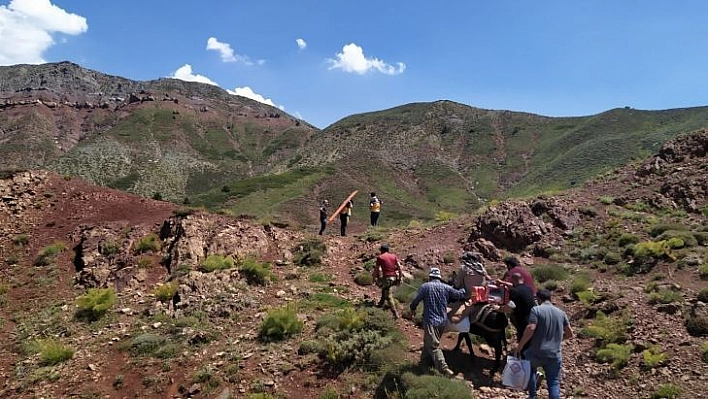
309 252
616 353
626 239
581 282
653 357
696 323
678 236
607 329
108 248
52 352
587 297
701 236
665 296
703 272
606 199
659 229
217 262
310 346
704 352
146 344
279 324
429 386
20 240
654 249
206 377
369 264
544 273
612 258
364 278
144 263
95 303
46 255
550 285
372 235
703 295
444 216
320 278
256 272
149 243
667 391
165 292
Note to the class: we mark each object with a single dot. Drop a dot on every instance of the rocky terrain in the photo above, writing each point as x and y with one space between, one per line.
628 249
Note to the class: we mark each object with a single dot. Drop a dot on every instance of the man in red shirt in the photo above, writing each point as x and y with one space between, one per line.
387 273
513 266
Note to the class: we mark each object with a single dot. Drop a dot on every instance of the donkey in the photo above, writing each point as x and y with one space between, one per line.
489 324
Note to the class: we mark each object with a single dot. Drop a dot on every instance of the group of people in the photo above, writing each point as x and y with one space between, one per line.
540 325
346 212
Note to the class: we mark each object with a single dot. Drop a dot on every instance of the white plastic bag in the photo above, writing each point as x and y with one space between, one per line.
462 326
516 373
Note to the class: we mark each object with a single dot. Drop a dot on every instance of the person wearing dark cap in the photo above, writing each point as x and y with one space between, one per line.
513 265
521 301
387 273
323 216
547 327
435 296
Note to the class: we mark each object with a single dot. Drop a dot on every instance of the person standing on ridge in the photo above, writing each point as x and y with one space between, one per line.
548 327
344 215
323 216
375 207
387 273
435 296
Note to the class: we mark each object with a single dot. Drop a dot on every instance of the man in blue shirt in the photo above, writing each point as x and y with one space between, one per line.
435 296
547 327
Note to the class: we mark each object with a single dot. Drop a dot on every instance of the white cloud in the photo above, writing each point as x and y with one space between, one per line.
352 59
249 93
301 43
185 73
227 53
26 28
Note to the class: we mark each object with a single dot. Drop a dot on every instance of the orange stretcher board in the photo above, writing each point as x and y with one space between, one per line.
339 209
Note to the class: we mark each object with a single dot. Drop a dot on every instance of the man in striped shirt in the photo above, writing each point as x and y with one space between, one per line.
435 296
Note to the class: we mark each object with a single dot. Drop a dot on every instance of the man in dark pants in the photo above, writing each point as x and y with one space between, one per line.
344 218
375 207
522 299
323 216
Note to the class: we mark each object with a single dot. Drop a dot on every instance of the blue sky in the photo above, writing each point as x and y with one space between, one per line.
324 60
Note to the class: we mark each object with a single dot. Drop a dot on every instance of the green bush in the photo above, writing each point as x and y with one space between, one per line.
696 324
108 248
612 258
581 282
701 237
309 346
165 292
95 303
364 278
667 391
51 351
217 262
207 378
146 344
678 236
46 256
659 229
654 249
320 278
606 200
703 295
279 324
20 240
703 272
704 352
587 297
329 393
372 235
309 252
405 293
149 243
544 273
616 353
433 386
626 239
444 216
550 285
607 329
665 296
653 357
256 272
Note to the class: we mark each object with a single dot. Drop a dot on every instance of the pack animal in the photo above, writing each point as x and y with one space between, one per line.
489 324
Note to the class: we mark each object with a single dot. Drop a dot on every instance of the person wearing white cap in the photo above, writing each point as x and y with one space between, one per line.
435 296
